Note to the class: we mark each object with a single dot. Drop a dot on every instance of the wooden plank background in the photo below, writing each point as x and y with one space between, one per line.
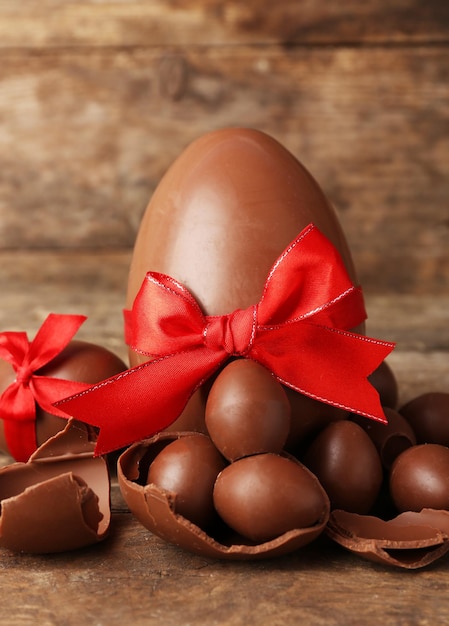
98 98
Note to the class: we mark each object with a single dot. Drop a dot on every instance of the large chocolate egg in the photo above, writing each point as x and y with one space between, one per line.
221 216
79 361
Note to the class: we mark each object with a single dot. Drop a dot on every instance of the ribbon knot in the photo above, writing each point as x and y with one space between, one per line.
307 308
23 375
233 333
18 401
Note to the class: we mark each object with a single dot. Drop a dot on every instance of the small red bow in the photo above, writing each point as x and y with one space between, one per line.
299 331
18 401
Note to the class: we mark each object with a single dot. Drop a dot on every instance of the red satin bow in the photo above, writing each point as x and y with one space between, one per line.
18 401
299 331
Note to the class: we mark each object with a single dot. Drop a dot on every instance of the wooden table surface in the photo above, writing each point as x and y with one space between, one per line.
134 577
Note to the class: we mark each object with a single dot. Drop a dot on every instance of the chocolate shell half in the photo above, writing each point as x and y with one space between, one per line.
155 509
60 499
411 540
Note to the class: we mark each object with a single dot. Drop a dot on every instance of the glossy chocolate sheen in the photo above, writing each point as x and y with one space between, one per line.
155 509
187 469
428 415
266 495
390 439
419 478
80 361
348 466
411 540
223 213
218 220
247 411
60 499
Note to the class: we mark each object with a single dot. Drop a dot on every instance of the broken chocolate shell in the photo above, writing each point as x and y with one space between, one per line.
411 540
60 499
156 510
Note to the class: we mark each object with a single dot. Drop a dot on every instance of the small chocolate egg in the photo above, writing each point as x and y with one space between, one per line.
247 411
419 478
187 468
220 217
266 495
79 361
384 381
347 464
390 439
428 415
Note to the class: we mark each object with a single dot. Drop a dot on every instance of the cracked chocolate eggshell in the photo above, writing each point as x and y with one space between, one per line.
155 509
220 217
79 361
60 499
390 439
411 540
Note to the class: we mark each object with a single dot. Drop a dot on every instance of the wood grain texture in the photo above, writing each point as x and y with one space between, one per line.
136 577
49 23
85 138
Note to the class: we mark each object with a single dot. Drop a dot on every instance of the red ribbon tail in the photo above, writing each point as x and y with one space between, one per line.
48 390
18 412
144 400
327 364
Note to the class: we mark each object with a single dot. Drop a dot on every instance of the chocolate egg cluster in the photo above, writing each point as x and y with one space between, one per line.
276 468
235 490
380 490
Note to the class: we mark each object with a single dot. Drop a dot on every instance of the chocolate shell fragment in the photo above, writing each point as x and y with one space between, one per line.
411 540
59 500
156 510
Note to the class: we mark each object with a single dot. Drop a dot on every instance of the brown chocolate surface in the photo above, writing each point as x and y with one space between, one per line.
223 213
347 464
155 509
59 500
247 411
419 478
410 540
186 469
390 439
428 416
266 495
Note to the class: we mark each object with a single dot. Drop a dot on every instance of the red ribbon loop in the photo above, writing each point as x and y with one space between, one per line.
299 330
18 400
